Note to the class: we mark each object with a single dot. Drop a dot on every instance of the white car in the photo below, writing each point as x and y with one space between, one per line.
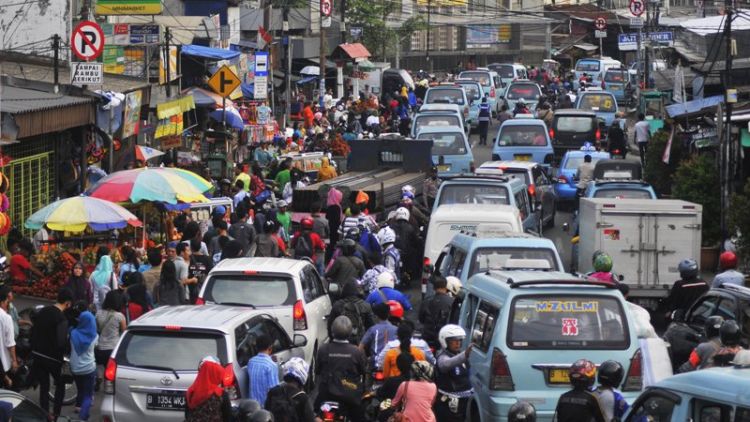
290 290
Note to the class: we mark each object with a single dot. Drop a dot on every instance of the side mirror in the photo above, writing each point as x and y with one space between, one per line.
299 340
620 278
565 227
334 290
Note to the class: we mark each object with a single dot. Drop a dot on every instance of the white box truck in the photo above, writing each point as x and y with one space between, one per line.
646 239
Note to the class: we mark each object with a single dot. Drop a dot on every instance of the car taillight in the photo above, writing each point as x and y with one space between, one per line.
230 384
552 133
634 378
616 152
200 301
532 191
562 179
110 373
106 419
300 319
328 416
598 134
426 273
492 92
378 376
500 376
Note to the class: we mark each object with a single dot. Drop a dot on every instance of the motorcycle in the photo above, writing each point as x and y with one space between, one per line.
330 412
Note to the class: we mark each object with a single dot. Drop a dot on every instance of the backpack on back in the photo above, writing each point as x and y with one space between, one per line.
282 405
352 311
303 247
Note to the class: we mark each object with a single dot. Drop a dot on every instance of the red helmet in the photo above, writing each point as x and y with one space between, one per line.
307 223
582 373
397 311
728 260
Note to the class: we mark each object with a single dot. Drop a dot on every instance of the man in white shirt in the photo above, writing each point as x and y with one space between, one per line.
181 263
642 136
328 100
7 337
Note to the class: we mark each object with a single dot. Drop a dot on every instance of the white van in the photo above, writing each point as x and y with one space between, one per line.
595 69
450 219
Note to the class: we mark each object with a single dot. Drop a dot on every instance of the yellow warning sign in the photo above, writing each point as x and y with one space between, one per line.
224 81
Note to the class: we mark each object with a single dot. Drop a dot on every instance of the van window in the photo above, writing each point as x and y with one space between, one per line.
473 91
522 135
311 286
567 322
707 411
655 408
498 81
527 91
256 290
178 350
575 124
430 120
446 143
455 264
587 66
523 204
505 71
575 162
445 95
603 102
473 194
495 258
616 76
482 77
623 193
727 308
484 326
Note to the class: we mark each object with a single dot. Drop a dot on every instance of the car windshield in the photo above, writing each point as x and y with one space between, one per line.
445 95
598 102
528 92
567 322
446 143
587 66
482 77
430 120
522 174
472 90
176 350
622 193
497 258
616 76
575 162
504 70
256 290
473 194
522 135
575 124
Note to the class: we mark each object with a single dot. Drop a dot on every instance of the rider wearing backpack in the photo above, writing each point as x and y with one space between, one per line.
288 401
306 243
357 310
435 311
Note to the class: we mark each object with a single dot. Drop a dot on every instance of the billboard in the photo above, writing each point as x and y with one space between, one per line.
442 3
486 36
128 7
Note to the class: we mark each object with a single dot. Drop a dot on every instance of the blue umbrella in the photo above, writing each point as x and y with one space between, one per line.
233 118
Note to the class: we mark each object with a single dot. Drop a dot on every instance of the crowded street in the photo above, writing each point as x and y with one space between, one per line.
246 211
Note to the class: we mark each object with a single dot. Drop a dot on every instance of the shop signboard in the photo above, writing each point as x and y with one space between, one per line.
144 34
133 102
629 41
86 73
128 7
486 36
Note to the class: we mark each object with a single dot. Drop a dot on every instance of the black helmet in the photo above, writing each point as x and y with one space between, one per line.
582 373
712 326
610 373
730 333
341 329
261 415
688 269
522 411
348 246
269 226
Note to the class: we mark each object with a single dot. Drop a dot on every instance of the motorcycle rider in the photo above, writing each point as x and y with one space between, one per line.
729 274
610 376
616 139
391 254
346 267
603 268
730 335
702 355
452 377
435 311
520 107
580 404
342 367
407 241
377 336
585 173
687 289
522 411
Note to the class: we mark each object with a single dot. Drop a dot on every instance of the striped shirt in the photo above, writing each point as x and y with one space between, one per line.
263 374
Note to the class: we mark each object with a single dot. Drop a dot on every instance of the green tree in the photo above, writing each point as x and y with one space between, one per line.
739 220
697 180
656 172
377 36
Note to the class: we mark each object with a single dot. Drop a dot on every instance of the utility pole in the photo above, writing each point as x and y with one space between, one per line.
727 152
287 64
427 47
56 49
343 22
167 59
322 67
647 41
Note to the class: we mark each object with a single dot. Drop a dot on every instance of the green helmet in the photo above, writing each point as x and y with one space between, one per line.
603 263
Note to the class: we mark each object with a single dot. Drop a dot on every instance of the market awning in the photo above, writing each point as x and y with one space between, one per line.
307 80
209 52
694 106
349 51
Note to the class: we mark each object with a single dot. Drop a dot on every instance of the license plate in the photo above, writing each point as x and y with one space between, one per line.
166 401
524 157
559 376
444 167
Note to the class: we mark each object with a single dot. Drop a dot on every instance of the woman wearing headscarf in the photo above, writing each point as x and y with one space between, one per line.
417 394
103 279
83 339
333 215
79 285
169 292
206 399
138 302
326 171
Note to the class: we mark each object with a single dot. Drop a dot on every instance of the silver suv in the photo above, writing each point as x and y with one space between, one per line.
157 358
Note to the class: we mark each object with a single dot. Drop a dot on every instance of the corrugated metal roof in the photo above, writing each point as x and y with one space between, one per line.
353 51
16 100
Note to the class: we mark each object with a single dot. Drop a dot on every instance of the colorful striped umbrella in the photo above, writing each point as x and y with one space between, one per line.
158 184
76 213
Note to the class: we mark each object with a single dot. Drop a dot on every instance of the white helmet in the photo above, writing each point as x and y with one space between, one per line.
402 214
298 368
385 279
386 235
408 188
450 331
454 285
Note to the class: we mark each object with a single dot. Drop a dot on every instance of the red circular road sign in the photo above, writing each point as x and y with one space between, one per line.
637 7
600 23
87 40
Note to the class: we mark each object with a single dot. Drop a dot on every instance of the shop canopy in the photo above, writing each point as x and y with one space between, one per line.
348 51
209 53
694 107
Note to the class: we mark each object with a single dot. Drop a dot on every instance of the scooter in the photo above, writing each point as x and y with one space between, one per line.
330 412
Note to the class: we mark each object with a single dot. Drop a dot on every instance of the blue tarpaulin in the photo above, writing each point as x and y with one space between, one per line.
248 90
209 53
694 106
307 80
